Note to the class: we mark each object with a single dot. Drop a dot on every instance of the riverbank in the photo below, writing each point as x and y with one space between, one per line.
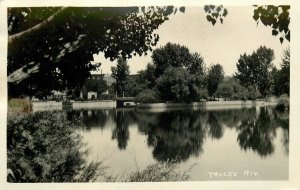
61 154
46 105
104 104
111 104
208 104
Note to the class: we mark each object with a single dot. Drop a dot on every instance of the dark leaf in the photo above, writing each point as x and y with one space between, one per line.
215 15
287 36
206 8
213 21
182 9
212 7
255 16
274 32
225 12
281 39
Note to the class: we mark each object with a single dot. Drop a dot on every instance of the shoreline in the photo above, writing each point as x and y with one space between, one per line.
111 104
208 104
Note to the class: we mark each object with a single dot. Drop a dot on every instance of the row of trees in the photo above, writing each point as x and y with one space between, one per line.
58 43
177 75
257 72
256 77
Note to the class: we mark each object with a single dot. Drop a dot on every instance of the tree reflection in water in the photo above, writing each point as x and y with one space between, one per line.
179 134
121 132
175 135
215 129
259 131
123 118
88 118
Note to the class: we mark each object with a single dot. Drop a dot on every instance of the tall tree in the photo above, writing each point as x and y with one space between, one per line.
214 78
170 55
282 76
255 69
187 68
120 73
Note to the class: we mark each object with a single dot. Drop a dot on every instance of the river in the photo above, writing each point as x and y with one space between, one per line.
220 144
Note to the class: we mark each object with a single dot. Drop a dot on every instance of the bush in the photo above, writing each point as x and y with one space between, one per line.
253 93
44 147
147 96
283 103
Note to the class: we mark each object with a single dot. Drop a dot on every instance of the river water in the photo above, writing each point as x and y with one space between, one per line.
220 144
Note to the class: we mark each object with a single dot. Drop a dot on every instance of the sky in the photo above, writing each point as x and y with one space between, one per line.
222 43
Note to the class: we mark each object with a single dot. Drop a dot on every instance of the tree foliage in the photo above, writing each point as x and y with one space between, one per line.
180 74
174 85
96 85
255 69
148 96
276 17
120 73
282 76
60 41
170 55
230 89
213 13
215 76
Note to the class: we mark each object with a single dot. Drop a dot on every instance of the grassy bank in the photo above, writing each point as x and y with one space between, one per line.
45 147
17 107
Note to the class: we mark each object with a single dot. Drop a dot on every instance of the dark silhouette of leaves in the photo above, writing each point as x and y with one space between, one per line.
276 17
182 9
214 12
274 32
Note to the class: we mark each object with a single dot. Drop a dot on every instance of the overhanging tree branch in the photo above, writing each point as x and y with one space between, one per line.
34 28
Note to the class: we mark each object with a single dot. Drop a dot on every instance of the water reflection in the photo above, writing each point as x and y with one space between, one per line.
122 120
173 134
257 133
180 134
215 128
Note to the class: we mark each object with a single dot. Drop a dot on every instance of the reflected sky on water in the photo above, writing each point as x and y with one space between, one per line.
232 144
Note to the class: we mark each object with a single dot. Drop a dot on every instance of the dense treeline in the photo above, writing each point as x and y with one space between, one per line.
177 75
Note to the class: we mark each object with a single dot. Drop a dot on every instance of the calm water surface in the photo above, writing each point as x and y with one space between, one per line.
229 144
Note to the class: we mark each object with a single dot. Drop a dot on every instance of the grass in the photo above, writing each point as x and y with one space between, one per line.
158 172
17 107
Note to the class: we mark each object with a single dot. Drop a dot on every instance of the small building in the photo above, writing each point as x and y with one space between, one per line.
92 95
59 96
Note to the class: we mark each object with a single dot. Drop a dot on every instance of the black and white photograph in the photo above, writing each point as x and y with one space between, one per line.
148 93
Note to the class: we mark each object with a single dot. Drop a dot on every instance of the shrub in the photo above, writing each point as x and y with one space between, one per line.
283 103
147 96
44 147
253 93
